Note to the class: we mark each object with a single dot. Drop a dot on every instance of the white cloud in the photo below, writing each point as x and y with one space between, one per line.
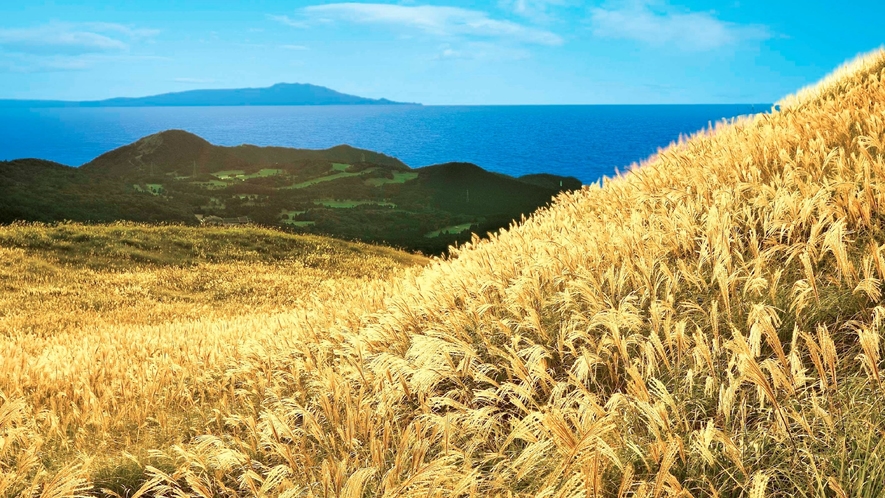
482 51
293 47
288 21
429 19
128 31
50 41
536 10
71 39
60 46
694 31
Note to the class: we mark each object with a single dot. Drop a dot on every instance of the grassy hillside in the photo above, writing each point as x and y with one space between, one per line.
44 191
108 331
60 278
342 191
708 324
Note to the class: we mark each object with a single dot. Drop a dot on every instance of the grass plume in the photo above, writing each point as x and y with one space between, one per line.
707 324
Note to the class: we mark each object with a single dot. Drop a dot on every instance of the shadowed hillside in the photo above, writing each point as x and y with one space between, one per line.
342 191
708 324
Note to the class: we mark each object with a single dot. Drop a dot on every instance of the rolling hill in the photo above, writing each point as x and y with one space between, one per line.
342 191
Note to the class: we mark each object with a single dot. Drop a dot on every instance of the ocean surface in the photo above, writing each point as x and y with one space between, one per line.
586 142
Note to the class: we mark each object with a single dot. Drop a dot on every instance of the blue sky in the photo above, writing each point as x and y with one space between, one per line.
436 52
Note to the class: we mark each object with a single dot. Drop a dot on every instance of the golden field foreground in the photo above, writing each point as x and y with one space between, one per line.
65 277
709 324
105 330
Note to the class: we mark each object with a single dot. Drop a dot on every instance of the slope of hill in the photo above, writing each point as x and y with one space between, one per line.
37 190
55 278
708 324
342 191
279 94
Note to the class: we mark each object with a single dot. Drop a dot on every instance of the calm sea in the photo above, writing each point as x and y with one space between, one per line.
582 141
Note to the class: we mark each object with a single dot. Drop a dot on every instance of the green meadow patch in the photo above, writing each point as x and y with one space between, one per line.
398 177
328 178
238 174
350 203
264 173
449 230
228 174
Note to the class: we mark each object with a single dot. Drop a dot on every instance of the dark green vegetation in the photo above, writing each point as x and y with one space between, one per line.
279 94
349 193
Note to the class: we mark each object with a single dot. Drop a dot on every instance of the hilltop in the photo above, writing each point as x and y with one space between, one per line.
279 94
175 176
708 324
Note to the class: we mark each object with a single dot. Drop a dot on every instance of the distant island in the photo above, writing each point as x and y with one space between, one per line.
279 94
345 192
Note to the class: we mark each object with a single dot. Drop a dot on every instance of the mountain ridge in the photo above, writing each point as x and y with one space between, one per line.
280 94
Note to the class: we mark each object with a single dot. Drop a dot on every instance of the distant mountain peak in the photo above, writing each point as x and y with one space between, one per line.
174 134
175 138
279 94
181 151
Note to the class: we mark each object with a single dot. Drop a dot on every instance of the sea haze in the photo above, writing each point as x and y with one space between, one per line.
586 142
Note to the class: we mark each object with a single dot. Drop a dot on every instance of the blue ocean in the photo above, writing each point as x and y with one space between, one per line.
586 142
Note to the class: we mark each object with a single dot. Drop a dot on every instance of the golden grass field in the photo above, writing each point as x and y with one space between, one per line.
108 331
708 324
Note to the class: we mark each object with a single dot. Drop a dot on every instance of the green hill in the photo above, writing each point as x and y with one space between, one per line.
342 191
177 151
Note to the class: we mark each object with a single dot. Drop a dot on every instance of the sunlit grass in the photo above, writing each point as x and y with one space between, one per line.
708 324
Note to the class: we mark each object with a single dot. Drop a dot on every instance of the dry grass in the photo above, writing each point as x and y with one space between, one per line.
709 324
108 332
65 277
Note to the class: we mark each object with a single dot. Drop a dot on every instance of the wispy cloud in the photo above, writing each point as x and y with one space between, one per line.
293 47
480 51
127 31
429 19
657 23
29 63
535 10
45 41
289 21
60 46
71 39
